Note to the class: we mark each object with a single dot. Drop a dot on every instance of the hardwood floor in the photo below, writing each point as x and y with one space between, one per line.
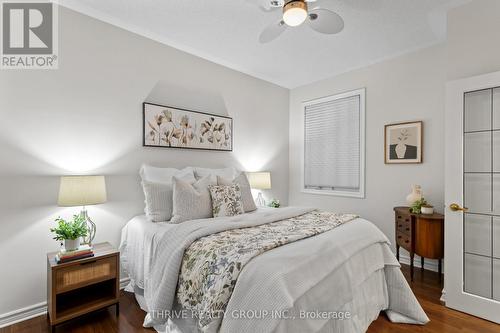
425 286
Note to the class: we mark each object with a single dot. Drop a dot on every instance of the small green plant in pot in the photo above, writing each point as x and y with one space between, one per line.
70 231
416 208
275 203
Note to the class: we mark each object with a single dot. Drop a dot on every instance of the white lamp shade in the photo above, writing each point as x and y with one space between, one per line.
82 191
259 180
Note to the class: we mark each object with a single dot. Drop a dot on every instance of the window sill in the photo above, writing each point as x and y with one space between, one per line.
356 195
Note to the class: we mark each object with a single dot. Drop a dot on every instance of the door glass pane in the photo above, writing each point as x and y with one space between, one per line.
496 238
478 234
478 152
478 275
496 108
496 151
478 193
496 279
481 190
478 110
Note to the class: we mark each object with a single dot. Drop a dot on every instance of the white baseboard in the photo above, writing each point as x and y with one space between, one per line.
16 316
429 264
26 313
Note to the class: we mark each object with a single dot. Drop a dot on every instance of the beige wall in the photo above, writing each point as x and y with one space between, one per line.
86 117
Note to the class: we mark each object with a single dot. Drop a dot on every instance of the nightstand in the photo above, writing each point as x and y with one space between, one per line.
420 234
78 287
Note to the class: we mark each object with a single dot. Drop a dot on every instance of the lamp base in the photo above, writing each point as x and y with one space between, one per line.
260 202
91 228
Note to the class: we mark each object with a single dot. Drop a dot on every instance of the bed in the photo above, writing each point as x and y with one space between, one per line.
336 281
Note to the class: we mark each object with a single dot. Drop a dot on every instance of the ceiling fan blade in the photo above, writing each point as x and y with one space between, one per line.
272 32
325 21
265 5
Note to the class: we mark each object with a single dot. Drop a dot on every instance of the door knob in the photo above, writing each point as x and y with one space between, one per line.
457 208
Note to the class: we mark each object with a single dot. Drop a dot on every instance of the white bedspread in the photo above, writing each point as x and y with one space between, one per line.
350 268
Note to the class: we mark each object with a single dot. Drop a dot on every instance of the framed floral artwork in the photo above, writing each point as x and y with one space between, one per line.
170 127
403 143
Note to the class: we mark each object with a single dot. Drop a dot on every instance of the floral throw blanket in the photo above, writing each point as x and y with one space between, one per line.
212 264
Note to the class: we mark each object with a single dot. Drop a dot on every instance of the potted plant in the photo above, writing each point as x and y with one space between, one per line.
427 209
416 208
70 231
275 203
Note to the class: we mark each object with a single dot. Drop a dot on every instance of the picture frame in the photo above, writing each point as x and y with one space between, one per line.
403 143
172 127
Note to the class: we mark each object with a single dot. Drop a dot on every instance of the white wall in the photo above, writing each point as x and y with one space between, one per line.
410 87
86 117
473 44
407 88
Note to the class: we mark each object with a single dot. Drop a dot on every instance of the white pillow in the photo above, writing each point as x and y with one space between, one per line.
246 191
164 175
157 187
191 201
227 173
158 201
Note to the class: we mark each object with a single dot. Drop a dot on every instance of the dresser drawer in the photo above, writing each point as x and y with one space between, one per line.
403 224
403 240
81 274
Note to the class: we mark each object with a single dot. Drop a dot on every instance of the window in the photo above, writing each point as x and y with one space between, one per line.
334 152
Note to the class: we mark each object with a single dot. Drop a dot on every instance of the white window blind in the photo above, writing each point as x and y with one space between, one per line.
333 143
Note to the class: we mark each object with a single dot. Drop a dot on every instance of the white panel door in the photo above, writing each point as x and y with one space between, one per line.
472 177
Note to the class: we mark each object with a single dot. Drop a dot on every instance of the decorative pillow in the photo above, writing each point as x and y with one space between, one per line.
157 187
191 201
227 173
226 200
158 201
164 175
246 191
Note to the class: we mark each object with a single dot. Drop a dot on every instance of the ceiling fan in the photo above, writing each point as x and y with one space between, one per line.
296 12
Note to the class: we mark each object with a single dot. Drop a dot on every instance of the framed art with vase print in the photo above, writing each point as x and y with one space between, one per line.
403 143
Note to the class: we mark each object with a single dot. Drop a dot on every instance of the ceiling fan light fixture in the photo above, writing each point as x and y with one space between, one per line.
295 13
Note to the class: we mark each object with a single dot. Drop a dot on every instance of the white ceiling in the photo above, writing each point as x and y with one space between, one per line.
227 32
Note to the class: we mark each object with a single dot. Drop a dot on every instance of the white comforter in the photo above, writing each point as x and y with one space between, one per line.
350 268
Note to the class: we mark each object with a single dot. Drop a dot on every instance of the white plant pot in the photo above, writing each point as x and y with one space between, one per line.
71 244
427 210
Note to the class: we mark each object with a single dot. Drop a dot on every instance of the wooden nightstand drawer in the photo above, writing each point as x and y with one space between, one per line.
85 273
403 240
403 224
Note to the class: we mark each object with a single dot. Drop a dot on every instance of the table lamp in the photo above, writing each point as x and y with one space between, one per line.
83 191
260 181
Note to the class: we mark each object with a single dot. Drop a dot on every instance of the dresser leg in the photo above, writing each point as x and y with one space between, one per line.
117 309
412 256
439 270
422 263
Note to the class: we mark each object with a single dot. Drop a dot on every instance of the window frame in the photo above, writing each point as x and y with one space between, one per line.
360 194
